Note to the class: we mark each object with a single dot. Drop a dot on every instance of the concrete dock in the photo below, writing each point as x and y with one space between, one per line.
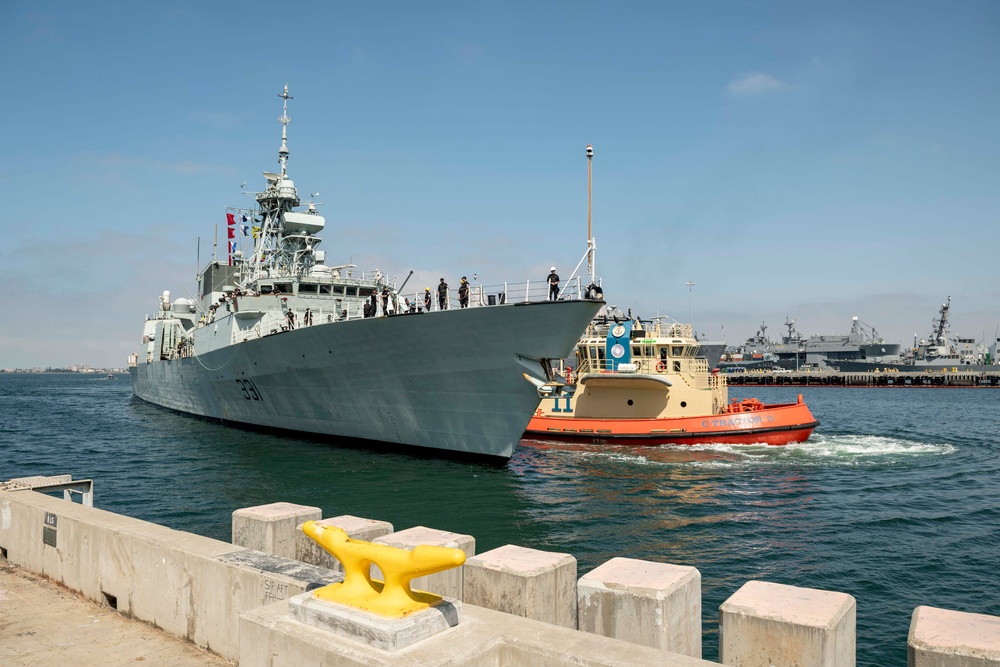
43 623
82 586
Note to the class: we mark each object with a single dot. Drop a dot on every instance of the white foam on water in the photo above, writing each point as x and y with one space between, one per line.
820 450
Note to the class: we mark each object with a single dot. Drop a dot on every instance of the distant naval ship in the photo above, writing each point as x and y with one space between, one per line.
277 338
935 353
795 351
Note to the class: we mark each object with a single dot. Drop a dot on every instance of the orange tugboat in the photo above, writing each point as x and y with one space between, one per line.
641 383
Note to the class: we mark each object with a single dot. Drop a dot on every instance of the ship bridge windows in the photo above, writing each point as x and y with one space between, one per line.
361 291
283 288
677 351
325 289
308 288
337 289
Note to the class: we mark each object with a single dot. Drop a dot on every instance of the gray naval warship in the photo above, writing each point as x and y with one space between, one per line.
937 352
277 338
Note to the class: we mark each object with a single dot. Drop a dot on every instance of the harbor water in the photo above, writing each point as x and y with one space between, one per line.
893 499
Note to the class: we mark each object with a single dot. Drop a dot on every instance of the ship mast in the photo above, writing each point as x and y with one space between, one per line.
284 120
590 232
278 197
941 324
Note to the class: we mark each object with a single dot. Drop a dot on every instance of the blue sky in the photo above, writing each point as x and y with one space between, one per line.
806 160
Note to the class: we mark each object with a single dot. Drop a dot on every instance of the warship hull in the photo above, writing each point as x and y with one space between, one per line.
451 380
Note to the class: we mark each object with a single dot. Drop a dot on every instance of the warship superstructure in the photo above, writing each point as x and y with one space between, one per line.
279 338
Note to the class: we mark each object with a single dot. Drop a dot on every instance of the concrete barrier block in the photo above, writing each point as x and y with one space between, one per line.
309 551
772 624
943 638
638 601
269 637
540 585
271 528
448 583
21 531
160 595
116 570
387 634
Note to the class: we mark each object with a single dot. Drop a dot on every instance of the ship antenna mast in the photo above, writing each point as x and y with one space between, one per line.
284 120
590 233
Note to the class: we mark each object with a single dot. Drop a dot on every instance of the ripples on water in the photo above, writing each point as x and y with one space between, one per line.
892 500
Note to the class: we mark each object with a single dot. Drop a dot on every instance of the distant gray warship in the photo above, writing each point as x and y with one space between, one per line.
862 343
794 351
753 355
937 352
280 339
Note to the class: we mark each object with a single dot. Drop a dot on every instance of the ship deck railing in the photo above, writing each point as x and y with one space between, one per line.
694 370
274 319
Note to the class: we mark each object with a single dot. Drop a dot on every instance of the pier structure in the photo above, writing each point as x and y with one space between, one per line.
521 606
950 377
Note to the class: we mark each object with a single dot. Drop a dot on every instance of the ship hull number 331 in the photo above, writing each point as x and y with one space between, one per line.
249 390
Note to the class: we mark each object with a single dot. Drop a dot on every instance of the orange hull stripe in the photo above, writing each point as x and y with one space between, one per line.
770 418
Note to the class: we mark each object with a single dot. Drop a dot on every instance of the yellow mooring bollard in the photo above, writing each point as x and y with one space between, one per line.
392 598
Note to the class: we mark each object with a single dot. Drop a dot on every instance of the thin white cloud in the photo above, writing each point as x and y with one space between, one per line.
223 119
469 52
42 28
755 83
119 161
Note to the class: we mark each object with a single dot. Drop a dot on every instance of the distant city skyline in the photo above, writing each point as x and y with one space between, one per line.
816 162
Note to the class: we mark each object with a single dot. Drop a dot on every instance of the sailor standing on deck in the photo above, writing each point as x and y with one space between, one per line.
442 295
553 284
463 293
427 299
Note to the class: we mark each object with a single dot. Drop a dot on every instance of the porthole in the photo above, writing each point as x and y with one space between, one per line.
684 404
630 401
